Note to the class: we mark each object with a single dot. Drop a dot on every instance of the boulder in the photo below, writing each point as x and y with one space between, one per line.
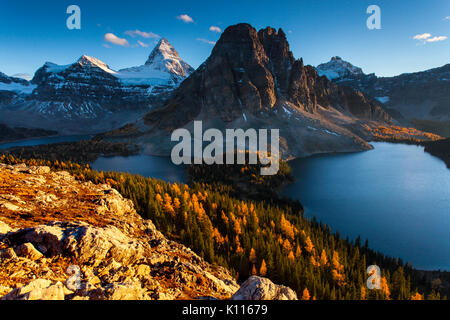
39 289
10 206
114 203
257 288
7 253
40 170
4 228
88 244
27 250
126 291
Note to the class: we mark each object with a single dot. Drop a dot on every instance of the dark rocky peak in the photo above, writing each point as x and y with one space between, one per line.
239 64
280 56
241 43
275 43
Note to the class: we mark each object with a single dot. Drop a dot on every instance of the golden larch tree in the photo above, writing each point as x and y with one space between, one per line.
263 268
306 295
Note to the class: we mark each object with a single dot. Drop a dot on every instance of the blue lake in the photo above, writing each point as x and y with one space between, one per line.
397 196
44 140
147 166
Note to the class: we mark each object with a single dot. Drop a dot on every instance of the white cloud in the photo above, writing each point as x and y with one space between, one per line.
147 35
436 39
112 38
447 18
422 36
215 29
206 41
427 37
185 18
142 44
106 45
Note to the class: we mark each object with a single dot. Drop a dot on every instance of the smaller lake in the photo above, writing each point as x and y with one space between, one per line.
44 140
147 166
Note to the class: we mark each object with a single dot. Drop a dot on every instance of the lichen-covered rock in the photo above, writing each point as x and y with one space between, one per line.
126 291
85 241
257 288
39 289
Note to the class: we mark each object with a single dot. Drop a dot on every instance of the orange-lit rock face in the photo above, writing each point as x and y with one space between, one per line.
49 222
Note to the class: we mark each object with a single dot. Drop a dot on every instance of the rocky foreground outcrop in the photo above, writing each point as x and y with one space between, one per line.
65 239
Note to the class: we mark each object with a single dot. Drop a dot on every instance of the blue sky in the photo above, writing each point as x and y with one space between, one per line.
33 32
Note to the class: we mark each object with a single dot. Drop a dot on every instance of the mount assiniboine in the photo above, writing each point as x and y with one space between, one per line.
252 80
88 96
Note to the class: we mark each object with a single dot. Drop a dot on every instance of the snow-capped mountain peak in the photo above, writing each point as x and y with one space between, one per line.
15 84
88 88
23 76
87 61
165 50
164 57
337 68
164 64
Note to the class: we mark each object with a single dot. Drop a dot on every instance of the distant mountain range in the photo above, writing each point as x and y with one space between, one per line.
88 95
421 98
251 80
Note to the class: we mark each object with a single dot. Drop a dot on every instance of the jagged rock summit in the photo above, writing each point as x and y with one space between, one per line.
53 227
